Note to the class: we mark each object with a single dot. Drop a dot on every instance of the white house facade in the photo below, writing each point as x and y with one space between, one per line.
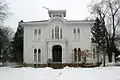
55 39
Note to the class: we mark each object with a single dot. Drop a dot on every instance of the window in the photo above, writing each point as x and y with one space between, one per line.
74 31
56 32
78 30
79 52
35 31
35 34
74 34
78 34
39 34
39 31
75 54
61 33
35 55
39 55
52 33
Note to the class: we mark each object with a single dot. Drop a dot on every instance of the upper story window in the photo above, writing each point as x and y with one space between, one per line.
35 31
61 33
78 30
76 33
56 32
37 34
39 31
52 33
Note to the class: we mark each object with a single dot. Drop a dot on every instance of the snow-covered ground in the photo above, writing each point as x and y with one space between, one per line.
98 73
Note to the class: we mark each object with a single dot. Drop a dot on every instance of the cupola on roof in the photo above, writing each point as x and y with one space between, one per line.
57 13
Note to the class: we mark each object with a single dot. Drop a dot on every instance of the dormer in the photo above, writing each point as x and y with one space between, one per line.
57 13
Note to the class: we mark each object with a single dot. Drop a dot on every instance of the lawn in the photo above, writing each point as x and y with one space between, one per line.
67 73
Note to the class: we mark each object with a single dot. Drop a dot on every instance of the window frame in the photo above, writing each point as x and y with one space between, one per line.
39 55
35 55
60 33
52 33
35 31
56 32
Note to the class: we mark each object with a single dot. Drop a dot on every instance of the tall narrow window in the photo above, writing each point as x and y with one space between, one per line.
74 31
74 34
35 55
52 33
35 34
35 31
39 31
56 32
39 34
78 34
79 56
75 54
61 33
39 55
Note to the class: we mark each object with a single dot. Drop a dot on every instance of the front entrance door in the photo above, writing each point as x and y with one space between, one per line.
57 53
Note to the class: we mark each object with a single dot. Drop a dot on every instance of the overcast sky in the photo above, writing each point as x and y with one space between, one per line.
32 10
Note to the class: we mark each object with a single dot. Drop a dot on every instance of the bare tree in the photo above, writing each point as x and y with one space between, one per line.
108 11
3 10
5 38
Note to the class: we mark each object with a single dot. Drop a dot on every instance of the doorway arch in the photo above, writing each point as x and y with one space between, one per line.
57 53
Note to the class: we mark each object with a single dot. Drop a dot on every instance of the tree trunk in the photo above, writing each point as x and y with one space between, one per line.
104 58
115 55
110 56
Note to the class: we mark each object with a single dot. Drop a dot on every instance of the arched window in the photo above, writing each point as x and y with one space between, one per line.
35 34
39 34
56 32
79 52
35 31
74 31
75 54
35 55
52 33
39 55
78 30
61 33
78 33
39 31
74 34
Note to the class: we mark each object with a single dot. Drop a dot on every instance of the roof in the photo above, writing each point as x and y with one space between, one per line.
57 11
36 21
64 19
79 20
